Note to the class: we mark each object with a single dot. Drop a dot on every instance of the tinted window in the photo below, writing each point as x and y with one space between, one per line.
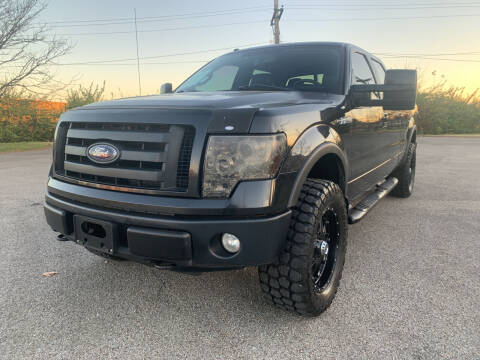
304 68
379 71
361 71
219 79
313 77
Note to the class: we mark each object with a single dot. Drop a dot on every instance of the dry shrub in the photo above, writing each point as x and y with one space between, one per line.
446 109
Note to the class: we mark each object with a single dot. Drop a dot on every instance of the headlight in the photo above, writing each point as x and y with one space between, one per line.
231 159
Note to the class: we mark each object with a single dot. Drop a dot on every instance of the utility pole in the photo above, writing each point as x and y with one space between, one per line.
138 58
275 22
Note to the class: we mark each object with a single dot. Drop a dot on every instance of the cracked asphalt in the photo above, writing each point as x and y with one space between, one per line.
410 287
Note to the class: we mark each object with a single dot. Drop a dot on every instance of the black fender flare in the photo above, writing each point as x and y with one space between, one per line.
412 129
320 151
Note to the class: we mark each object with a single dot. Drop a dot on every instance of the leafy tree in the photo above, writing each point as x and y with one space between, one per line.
27 51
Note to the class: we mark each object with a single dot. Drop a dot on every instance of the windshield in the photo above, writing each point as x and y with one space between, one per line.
293 68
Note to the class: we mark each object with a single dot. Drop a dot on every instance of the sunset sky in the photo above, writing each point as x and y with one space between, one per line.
434 36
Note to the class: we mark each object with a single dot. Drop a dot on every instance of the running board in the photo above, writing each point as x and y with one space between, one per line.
363 207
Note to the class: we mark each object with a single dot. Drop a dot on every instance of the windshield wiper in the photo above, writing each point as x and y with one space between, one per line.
261 87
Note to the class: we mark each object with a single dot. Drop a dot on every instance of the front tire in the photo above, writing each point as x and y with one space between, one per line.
306 275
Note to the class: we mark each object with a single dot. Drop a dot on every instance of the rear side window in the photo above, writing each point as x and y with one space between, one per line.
361 71
379 71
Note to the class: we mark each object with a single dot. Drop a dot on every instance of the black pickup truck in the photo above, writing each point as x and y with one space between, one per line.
260 158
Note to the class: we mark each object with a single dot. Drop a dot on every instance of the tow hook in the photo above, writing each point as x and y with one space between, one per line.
61 237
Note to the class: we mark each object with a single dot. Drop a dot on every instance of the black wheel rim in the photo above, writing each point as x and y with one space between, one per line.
411 171
325 250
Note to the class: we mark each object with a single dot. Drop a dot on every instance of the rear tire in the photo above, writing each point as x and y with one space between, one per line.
405 173
306 275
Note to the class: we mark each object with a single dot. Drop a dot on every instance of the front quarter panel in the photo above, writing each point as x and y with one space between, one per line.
315 143
308 138
305 149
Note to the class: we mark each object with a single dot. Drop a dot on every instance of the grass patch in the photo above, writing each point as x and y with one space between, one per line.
24 146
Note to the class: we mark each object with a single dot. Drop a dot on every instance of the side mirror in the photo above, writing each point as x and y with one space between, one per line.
166 88
399 91
404 93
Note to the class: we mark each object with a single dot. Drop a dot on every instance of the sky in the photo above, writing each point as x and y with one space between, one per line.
439 38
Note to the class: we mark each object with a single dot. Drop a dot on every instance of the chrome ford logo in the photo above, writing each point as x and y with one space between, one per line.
103 153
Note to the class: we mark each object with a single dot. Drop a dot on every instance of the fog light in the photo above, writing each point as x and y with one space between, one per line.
230 243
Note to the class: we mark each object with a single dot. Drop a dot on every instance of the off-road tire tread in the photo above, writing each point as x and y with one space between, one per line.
280 281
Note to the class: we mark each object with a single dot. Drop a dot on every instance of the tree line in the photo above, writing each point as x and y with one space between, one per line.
23 118
28 53
441 110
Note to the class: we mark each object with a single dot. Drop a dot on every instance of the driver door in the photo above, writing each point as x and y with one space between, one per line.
362 129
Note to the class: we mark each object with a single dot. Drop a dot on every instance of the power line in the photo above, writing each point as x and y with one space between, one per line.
127 21
157 56
386 18
205 61
385 55
431 58
334 8
164 29
154 17
262 21
128 64
381 3
434 54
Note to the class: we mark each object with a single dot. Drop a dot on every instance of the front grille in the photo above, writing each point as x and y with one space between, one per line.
183 168
152 157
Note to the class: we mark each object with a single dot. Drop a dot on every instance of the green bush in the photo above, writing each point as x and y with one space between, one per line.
84 95
443 110
30 120
26 120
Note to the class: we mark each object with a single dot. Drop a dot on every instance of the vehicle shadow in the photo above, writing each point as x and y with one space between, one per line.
129 289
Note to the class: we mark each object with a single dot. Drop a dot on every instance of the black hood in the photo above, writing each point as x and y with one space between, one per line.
223 100
213 112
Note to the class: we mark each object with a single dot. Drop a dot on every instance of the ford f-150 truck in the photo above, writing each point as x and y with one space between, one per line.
261 158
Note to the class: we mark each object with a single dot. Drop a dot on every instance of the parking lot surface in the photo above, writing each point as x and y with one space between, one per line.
410 289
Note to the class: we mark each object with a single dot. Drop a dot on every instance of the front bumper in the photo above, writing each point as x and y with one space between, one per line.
178 240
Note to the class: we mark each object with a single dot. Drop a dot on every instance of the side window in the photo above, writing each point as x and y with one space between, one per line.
361 71
220 79
379 71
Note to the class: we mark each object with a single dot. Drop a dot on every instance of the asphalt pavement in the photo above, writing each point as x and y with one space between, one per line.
410 287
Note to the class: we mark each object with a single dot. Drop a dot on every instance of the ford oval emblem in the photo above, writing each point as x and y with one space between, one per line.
103 153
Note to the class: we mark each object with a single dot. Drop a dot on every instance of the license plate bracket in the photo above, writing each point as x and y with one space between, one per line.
96 234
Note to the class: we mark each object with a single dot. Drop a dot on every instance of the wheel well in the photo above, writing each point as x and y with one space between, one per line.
329 167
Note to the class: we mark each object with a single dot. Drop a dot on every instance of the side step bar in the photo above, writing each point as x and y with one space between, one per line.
363 207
